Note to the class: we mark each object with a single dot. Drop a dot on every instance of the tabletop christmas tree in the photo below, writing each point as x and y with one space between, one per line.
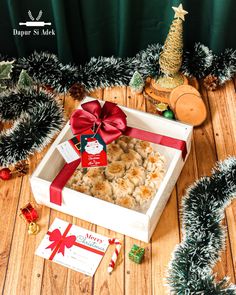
171 57
136 83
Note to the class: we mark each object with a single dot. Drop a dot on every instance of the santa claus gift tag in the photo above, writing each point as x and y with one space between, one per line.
93 151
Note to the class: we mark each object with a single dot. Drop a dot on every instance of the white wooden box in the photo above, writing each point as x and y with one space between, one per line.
129 222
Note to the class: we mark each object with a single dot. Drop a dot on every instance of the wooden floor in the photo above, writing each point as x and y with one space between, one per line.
21 272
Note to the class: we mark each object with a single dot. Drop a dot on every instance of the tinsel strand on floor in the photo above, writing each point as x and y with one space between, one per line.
190 270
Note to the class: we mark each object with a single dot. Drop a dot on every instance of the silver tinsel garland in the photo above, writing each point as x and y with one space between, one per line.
190 271
100 72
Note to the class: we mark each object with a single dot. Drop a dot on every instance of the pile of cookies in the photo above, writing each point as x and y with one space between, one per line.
131 179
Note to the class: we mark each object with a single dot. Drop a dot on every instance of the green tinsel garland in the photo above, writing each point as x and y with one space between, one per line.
100 72
190 271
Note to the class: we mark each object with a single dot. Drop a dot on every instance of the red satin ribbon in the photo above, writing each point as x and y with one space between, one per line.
110 122
60 181
60 242
158 139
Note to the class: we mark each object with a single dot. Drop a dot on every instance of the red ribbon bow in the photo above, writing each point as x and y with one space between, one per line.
109 121
59 242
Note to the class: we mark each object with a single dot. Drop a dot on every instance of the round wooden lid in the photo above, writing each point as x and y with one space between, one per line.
150 92
182 89
190 108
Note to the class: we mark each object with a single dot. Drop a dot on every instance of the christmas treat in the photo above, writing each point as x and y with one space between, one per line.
85 189
154 161
154 178
115 170
92 175
127 202
122 187
144 148
143 194
136 254
102 190
126 142
114 151
130 182
76 177
136 175
131 159
115 254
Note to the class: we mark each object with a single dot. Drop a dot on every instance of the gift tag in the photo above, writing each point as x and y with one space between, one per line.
93 151
70 149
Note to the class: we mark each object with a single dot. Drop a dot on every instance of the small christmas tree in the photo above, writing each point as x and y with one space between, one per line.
25 81
171 57
5 73
136 83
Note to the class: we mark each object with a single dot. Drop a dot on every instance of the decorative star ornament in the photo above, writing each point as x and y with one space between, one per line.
179 12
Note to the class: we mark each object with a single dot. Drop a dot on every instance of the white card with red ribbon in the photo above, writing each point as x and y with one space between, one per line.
73 246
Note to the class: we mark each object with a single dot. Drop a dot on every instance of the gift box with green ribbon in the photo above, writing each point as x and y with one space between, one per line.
136 254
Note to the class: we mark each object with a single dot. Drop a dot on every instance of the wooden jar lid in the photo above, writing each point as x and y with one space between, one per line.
190 108
182 89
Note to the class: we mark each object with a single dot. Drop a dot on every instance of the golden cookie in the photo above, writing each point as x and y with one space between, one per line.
144 148
136 175
143 194
114 151
81 188
154 178
127 202
102 189
126 142
122 187
93 174
115 169
131 159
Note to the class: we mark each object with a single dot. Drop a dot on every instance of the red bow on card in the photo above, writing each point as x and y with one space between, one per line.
109 121
60 242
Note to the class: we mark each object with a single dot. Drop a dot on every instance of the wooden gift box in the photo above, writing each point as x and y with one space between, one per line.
126 221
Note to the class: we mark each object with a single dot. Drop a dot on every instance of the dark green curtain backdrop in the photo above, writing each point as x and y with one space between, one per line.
85 28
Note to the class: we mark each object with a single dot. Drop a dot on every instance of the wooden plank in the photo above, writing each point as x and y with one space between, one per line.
9 196
187 177
220 106
164 239
135 101
78 283
138 278
25 269
97 94
103 282
55 275
115 94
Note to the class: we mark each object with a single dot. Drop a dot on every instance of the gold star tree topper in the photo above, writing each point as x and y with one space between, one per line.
179 12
